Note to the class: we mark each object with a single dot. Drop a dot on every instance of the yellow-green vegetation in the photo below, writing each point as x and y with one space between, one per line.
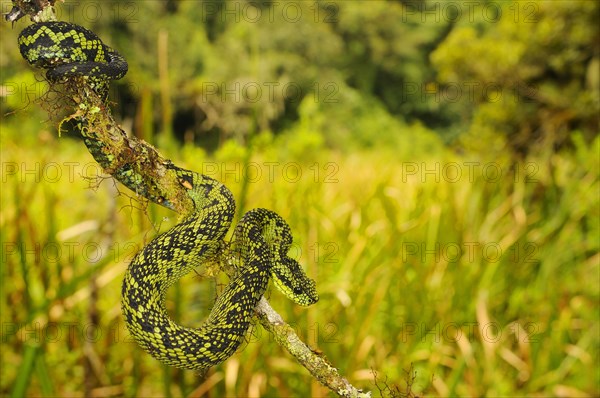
484 283
454 238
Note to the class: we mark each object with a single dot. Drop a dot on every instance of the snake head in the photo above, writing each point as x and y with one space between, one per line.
291 280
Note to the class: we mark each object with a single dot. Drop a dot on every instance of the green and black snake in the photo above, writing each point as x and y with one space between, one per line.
67 50
261 239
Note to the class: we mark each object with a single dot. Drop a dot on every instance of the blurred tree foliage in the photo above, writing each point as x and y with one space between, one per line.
491 74
534 72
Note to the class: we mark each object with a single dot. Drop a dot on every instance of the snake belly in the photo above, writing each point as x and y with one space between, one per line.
261 238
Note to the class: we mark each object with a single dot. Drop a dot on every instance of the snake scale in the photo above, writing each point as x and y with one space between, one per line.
261 238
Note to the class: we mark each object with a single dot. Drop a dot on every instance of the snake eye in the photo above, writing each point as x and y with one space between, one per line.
298 290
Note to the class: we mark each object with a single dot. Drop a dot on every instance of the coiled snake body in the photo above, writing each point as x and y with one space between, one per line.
261 238
68 50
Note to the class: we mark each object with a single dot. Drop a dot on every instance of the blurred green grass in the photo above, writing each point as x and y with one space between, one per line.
486 283
478 273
